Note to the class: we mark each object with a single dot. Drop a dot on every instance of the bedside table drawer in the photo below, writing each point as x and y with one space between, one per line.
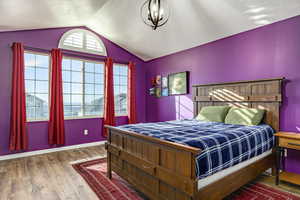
289 143
284 141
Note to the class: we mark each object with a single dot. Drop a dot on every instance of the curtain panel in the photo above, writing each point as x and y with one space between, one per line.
109 107
18 135
56 128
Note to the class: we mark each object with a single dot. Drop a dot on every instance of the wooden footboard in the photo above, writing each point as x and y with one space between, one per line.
159 169
166 171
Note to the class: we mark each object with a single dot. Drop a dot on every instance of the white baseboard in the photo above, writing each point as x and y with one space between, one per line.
39 152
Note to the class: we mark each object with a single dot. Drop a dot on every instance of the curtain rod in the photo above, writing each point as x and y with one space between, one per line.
74 53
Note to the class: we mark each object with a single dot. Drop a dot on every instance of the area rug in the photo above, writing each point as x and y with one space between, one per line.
94 173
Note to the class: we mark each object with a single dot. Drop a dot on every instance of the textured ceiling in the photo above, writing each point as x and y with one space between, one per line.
192 22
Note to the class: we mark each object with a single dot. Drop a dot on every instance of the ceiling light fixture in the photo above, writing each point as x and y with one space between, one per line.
155 13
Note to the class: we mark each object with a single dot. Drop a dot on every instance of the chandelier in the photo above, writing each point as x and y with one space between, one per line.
155 13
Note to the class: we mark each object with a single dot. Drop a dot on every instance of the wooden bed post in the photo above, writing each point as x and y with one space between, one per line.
109 171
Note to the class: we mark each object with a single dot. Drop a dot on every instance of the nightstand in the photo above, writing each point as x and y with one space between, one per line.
286 140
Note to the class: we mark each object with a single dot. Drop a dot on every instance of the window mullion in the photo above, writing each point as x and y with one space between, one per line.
83 89
71 94
119 97
94 88
34 91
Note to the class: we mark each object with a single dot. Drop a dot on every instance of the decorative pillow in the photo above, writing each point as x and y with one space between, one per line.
244 116
213 113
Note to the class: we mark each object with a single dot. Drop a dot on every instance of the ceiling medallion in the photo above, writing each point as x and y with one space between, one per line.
155 13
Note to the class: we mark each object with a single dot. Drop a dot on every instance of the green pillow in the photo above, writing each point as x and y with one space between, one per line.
244 116
213 113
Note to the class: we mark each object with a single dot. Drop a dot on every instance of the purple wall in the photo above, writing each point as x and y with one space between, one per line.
37 131
267 52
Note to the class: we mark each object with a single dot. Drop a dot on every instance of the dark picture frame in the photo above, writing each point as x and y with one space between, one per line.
178 83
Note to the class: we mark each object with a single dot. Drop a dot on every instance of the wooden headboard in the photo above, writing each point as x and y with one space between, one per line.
263 94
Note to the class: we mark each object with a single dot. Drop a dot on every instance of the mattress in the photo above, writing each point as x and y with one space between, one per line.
221 174
222 145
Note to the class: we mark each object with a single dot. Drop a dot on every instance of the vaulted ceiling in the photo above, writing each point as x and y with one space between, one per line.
192 22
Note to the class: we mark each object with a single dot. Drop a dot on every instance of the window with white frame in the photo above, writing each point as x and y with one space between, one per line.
83 85
83 41
37 86
120 88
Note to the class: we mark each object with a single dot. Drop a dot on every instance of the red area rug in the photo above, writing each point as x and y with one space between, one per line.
257 191
94 173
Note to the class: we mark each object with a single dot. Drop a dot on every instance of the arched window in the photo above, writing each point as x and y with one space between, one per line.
83 41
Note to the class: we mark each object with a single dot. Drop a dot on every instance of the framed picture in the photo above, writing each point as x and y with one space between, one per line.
158 92
164 92
152 91
158 80
153 82
178 83
164 81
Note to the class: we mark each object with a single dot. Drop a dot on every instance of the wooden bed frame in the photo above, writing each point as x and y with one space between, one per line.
166 170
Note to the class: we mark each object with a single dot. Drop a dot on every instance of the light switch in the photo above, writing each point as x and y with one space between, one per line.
285 152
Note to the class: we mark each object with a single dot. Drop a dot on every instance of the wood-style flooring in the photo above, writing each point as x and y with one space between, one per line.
47 177
51 177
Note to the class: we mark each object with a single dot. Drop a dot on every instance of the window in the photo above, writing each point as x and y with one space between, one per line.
37 86
83 41
83 85
120 88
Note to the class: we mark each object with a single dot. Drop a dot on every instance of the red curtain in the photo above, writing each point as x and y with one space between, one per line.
56 129
18 137
109 107
131 102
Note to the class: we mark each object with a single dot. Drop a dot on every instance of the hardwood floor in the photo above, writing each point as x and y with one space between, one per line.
47 177
284 186
51 177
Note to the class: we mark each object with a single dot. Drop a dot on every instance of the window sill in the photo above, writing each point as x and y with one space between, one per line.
91 117
37 120
75 118
87 117
121 116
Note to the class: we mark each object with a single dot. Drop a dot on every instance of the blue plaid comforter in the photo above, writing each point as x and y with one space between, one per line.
223 145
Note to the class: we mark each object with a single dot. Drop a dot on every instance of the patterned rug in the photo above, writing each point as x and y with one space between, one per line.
94 173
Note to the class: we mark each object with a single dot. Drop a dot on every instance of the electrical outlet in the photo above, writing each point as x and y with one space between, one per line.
85 132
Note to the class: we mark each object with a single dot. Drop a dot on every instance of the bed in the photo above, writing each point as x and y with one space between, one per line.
166 167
